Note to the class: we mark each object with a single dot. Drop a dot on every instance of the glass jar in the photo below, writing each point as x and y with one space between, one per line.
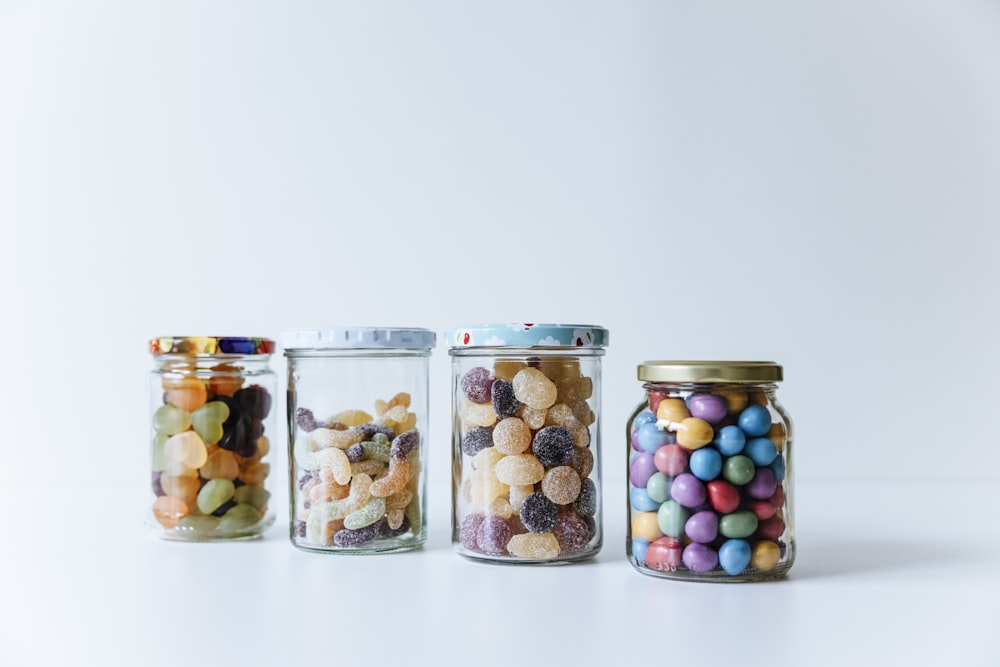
210 410
709 473
526 442
357 428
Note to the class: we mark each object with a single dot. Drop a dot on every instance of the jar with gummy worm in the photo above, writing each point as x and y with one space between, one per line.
709 472
210 400
526 441
357 433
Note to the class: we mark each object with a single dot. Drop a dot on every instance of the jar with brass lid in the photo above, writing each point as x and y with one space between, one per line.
709 472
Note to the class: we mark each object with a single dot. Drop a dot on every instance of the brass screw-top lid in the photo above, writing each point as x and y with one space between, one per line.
710 371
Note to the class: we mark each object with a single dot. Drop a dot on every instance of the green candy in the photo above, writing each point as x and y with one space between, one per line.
160 459
738 469
214 495
254 495
169 420
658 487
738 524
367 515
239 518
208 419
198 524
671 518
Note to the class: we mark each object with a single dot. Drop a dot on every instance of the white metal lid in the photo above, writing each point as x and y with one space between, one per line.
358 338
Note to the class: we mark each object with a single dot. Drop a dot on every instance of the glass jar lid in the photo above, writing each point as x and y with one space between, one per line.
210 345
528 335
710 371
357 338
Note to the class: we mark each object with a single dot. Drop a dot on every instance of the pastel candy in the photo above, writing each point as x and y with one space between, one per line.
738 524
658 487
702 527
168 420
688 490
650 437
671 518
641 469
542 546
708 407
755 421
762 485
699 557
534 389
662 555
734 556
761 451
730 440
671 460
706 463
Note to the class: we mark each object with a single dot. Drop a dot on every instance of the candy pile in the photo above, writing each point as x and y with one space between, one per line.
705 485
209 442
526 487
358 477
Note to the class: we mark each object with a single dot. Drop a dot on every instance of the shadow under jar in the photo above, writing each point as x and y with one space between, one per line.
709 473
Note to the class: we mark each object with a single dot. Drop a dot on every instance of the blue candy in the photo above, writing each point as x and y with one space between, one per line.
778 466
644 417
755 421
705 463
734 556
641 502
639 547
730 440
651 438
761 451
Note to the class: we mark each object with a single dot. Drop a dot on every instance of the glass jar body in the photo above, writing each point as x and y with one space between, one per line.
710 483
358 428
211 422
526 454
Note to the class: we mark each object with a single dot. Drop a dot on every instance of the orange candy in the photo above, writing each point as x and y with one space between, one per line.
168 511
226 380
187 393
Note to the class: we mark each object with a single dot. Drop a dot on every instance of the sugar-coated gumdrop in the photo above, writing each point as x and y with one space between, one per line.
348 537
493 535
533 388
538 513
561 485
505 403
467 531
552 445
519 469
572 533
477 439
476 383
541 546
479 414
511 436
582 461
586 502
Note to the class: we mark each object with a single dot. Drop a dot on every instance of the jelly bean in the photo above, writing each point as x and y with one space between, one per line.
730 440
255 473
663 554
561 485
709 407
647 525
765 555
641 469
181 487
738 469
658 487
723 496
186 448
187 393
705 463
755 421
671 518
198 525
585 504
773 528
467 530
255 401
520 469
506 369
688 490
254 495
214 494
538 513
738 524
655 398
168 511
238 519
220 464
641 501
477 384
511 436
541 546
493 535
702 527
761 451
505 403
699 557
552 445
691 433
671 460
778 468
169 420
651 437
372 511
639 547
673 410
534 389
734 556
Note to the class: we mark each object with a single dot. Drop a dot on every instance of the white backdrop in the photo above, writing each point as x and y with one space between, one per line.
813 183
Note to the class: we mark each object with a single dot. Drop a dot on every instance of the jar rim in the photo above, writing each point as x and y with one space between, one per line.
359 338
524 335
710 371
211 345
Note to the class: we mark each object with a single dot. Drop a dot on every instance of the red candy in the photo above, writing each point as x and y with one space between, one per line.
778 497
671 460
763 509
654 399
723 496
664 554
771 529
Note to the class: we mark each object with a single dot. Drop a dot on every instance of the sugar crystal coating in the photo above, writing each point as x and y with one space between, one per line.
467 531
538 513
586 501
572 533
505 403
493 535
534 389
561 485
511 436
476 440
477 383
541 546
553 446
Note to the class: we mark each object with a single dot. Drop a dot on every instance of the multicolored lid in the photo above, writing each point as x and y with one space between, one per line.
210 345
352 338
527 335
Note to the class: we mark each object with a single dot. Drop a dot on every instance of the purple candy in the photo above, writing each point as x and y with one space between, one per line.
641 469
688 490
467 532
572 533
477 383
635 443
700 558
762 485
493 535
702 527
709 407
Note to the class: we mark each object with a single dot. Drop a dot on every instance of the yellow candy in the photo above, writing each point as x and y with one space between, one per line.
188 448
765 555
692 432
777 435
334 462
561 485
535 419
646 526
542 546
673 409
735 400
256 473
506 369
399 474
520 469
187 393
534 389
221 464
479 414
351 417
511 436
517 495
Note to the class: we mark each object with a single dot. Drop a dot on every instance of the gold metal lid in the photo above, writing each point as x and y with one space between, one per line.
710 371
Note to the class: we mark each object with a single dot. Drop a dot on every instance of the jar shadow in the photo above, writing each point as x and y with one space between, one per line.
844 558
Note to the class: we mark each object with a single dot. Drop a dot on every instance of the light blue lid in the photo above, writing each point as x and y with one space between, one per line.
527 335
358 338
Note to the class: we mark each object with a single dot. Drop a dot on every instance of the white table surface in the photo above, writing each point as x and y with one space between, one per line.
887 573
